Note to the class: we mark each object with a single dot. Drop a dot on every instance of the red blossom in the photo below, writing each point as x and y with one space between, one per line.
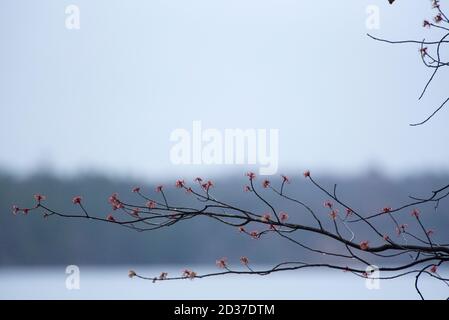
206 186
255 234
189 190
113 198
433 269
222 263
364 245
247 189
349 212
189 274
180 183
163 276
132 273
136 212
151 204
415 213
251 175
198 179
430 232
77 200
266 217
401 229
244 261
438 18
283 216
25 211
266 183
136 189
39 197
423 51
386 238
334 214
115 202
306 174
159 188
110 218
386 210
241 229
328 204
426 24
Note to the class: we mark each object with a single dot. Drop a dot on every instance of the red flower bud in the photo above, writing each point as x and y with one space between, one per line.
189 274
283 217
255 234
244 261
180 183
163 276
349 212
222 263
266 183
364 245
135 212
334 214
77 200
151 204
386 210
251 175
39 197
206 186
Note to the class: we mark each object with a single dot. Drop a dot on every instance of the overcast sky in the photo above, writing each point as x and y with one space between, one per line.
106 97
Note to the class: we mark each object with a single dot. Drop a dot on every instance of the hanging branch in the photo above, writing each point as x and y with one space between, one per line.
430 52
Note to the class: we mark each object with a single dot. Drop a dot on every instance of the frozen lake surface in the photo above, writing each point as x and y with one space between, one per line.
113 283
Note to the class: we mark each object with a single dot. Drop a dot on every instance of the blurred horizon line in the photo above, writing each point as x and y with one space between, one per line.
224 174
